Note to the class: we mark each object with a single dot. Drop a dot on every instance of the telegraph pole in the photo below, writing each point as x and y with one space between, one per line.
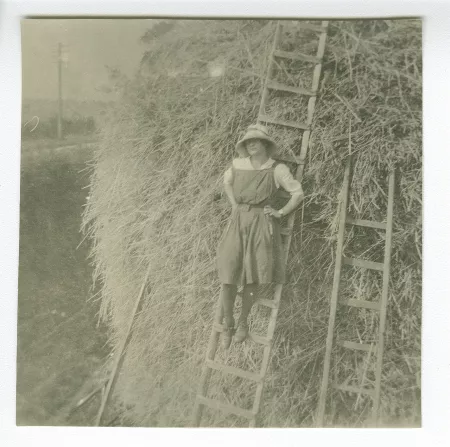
60 102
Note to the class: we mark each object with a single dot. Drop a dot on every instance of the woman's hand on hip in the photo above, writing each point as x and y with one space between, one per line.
268 210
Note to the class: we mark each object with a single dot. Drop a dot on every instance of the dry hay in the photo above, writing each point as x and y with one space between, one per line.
154 178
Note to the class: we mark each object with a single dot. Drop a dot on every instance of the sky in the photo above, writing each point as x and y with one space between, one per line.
90 44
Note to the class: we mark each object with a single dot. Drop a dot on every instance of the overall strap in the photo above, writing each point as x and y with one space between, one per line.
270 200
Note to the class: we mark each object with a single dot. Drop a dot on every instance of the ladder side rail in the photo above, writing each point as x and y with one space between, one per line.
291 219
384 295
271 328
334 294
206 371
269 71
319 55
267 349
272 322
278 287
214 338
266 355
311 104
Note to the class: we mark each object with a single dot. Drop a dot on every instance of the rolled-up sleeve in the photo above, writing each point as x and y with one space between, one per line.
228 177
286 180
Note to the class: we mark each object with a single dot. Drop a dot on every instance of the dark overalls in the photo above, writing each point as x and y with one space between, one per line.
250 250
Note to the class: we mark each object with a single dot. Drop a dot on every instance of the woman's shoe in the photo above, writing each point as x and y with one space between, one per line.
227 336
241 333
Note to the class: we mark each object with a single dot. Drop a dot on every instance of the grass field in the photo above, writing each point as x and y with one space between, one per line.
42 146
60 346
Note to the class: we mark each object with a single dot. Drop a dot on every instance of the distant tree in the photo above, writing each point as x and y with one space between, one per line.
158 30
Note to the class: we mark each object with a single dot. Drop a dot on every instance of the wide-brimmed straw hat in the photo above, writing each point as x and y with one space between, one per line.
256 131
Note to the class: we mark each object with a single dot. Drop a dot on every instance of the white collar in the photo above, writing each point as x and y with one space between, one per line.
266 165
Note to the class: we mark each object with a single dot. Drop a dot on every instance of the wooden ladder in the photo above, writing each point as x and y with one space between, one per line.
376 306
210 363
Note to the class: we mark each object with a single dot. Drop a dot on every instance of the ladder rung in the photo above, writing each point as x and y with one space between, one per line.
311 27
228 408
297 56
366 223
355 346
254 337
232 370
354 389
363 263
361 303
266 302
267 119
273 85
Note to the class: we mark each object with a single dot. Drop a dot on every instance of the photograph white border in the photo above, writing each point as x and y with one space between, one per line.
436 292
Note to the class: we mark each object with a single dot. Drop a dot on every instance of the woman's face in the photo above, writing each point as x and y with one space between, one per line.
255 146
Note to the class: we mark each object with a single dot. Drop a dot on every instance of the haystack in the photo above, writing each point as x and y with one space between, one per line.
158 169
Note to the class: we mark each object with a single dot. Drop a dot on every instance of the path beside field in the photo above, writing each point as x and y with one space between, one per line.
60 347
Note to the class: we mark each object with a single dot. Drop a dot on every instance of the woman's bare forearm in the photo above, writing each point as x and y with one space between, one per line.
293 203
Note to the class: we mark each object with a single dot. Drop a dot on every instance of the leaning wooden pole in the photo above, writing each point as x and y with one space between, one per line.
335 290
384 296
119 354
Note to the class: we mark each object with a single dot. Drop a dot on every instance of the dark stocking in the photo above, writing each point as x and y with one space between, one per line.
248 298
228 299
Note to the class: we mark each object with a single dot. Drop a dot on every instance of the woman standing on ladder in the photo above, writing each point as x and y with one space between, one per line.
250 251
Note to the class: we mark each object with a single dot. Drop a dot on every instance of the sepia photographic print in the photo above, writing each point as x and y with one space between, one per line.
220 223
